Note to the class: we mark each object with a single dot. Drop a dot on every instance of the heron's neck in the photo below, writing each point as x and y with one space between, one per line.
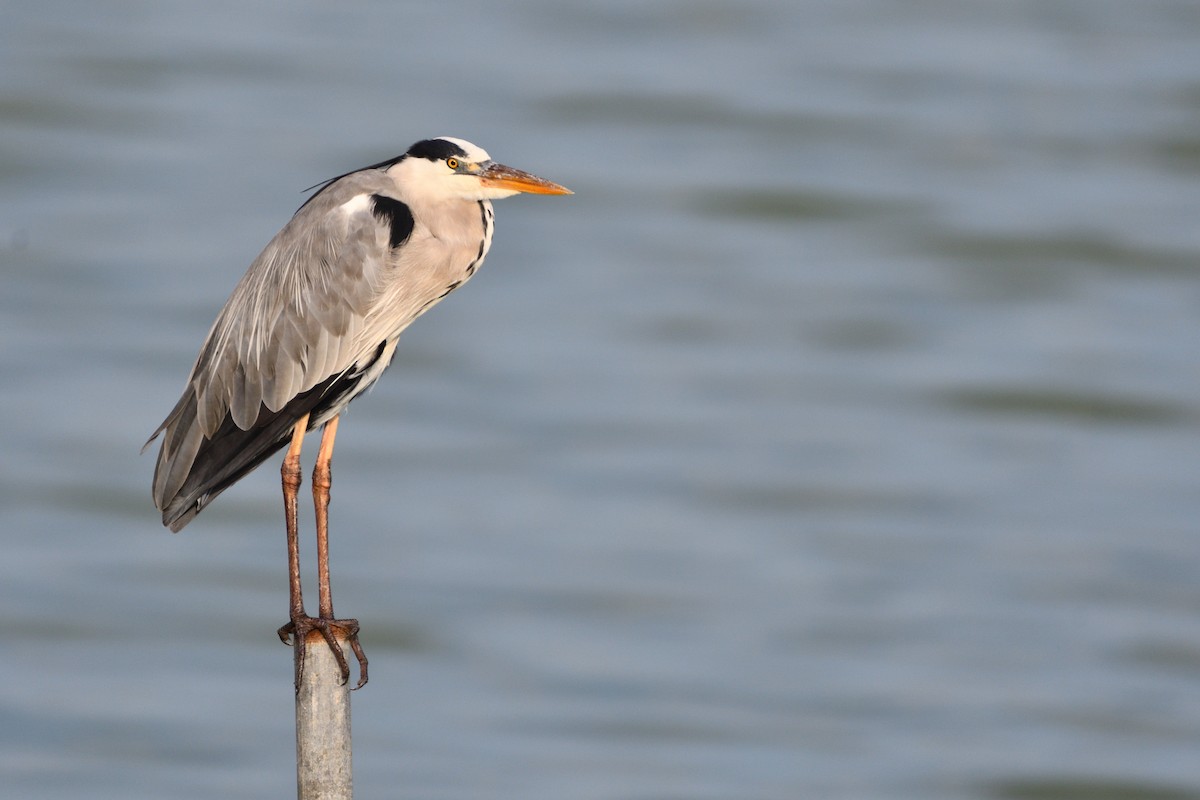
487 219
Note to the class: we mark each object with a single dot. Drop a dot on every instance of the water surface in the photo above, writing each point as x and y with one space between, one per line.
838 438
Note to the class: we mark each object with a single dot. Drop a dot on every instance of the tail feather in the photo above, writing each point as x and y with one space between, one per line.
193 469
221 461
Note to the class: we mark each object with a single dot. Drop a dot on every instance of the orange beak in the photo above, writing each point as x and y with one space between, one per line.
504 177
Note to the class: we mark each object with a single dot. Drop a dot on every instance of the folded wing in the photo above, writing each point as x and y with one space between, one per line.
301 334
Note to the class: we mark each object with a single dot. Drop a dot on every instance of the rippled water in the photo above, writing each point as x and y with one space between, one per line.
838 438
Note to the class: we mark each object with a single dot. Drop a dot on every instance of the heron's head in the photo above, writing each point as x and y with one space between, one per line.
446 168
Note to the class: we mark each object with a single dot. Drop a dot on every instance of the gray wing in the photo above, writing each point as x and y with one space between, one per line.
300 332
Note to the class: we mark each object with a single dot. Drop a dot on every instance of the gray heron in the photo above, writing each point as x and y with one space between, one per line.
312 324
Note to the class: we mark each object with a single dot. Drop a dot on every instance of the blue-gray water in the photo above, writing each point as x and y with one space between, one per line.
837 439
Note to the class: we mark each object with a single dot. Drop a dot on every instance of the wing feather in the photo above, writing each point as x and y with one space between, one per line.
312 323
306 313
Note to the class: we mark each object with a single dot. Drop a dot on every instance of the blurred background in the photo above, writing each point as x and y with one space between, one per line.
837 439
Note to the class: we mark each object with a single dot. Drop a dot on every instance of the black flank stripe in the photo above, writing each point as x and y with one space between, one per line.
231 453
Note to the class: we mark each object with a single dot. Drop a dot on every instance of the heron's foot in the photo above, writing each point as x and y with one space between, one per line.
298 629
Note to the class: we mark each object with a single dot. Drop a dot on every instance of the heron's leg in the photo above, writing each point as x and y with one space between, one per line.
291 487
290 472
299 624
322 480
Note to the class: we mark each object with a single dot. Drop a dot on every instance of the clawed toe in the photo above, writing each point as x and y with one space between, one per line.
295 633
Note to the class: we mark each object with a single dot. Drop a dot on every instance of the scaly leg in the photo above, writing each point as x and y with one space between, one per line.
291 486
322 480
300 624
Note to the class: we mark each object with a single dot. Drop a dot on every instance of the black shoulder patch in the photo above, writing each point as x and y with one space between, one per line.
435 149
397 216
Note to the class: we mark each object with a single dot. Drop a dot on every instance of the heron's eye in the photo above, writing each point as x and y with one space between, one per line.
452 163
